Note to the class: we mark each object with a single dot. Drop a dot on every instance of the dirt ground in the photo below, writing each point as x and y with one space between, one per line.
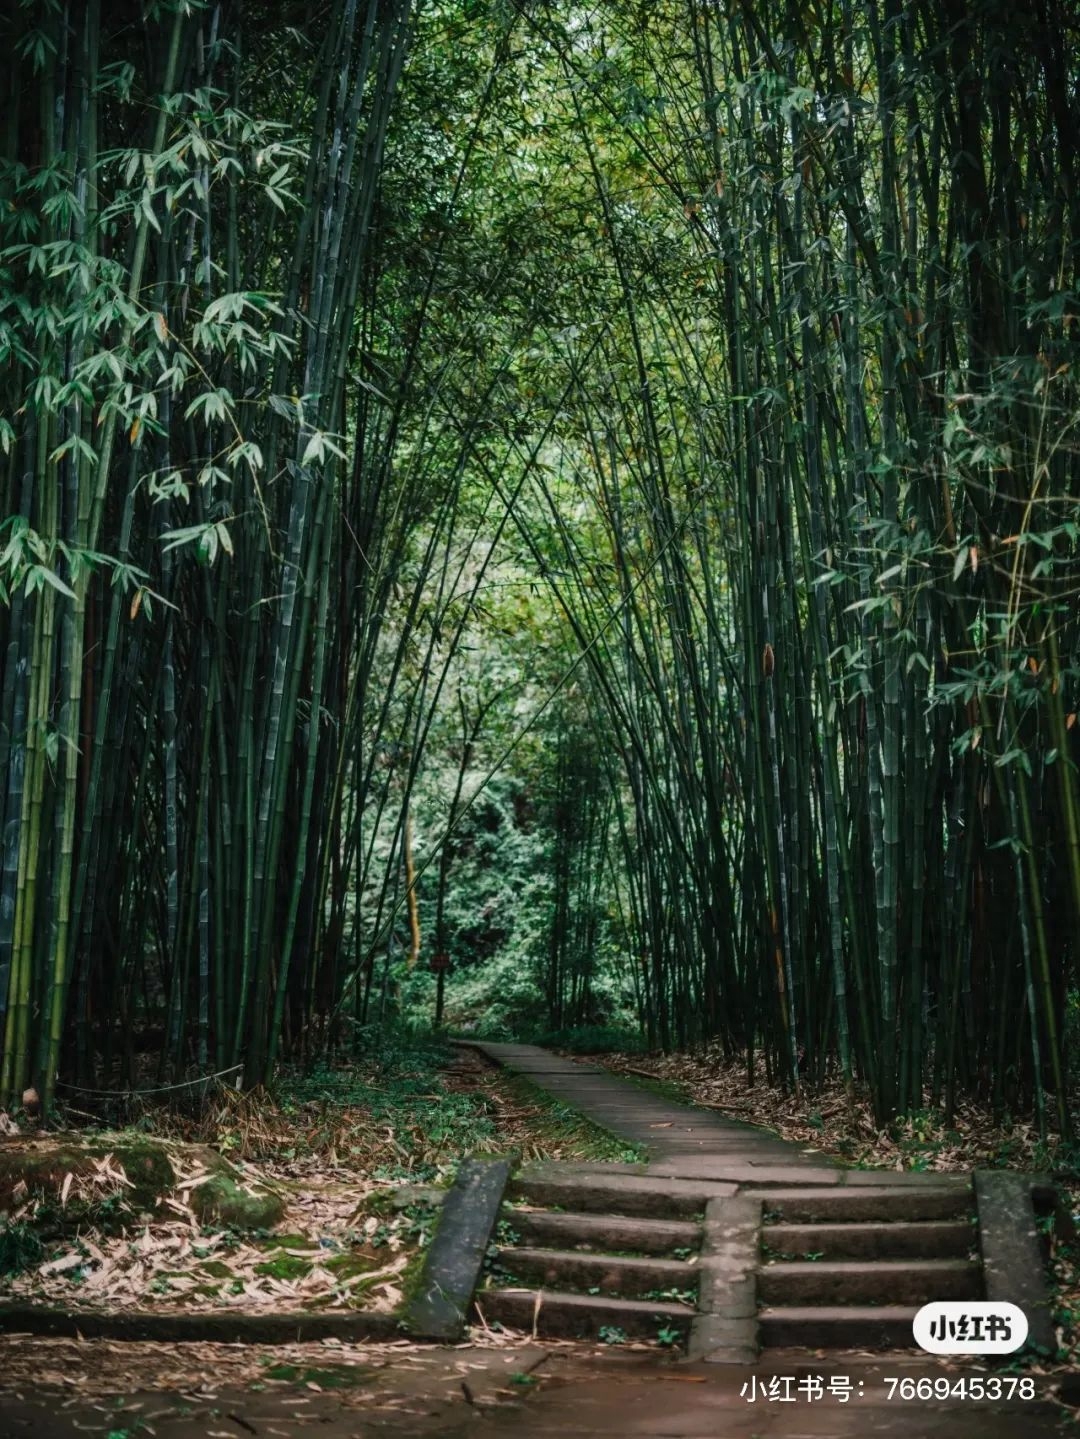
65 1389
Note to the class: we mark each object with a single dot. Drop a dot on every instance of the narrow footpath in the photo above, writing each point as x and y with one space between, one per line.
683 1141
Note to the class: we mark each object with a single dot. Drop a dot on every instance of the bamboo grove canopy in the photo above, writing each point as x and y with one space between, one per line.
747 333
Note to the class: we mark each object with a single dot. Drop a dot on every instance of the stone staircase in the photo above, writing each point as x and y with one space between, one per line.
723 1271
560 1268
850 1267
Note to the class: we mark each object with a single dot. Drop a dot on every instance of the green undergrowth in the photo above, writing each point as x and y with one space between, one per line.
21 1248
393 1084
396 1085
591 1039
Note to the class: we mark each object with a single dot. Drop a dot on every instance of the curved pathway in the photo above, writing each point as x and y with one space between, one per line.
682 1140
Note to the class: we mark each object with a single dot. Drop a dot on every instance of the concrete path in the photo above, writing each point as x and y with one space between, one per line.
682 1140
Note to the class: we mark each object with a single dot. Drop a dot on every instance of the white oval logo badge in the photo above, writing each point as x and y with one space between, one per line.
970 1326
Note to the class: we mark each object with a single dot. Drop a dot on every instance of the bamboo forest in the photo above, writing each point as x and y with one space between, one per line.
539 677
524 518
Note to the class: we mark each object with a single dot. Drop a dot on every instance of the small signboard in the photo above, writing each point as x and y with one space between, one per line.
439 963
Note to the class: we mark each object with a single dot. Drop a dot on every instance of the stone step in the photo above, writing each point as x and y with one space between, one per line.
851 1327
886 1281
610 1273
877 1202
630 1194
874 1239
601 1232
581 1316
757 1170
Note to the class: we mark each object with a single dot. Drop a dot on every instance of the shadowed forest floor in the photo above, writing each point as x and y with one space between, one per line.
355 1151
60 1389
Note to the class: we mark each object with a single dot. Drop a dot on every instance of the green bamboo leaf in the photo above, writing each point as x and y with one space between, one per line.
38 575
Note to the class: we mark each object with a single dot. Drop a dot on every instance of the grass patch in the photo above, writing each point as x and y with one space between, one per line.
390 1111
561 1127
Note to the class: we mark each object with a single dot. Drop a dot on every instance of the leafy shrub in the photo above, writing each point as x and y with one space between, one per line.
20 1248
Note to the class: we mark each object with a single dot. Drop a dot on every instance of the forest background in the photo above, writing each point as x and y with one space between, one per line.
586 491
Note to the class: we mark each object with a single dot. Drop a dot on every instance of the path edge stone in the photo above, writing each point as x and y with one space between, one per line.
452 1265
1013 1267
725 1329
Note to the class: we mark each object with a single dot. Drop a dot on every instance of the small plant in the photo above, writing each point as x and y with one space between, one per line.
678 1296
522 1381
20 1249
612 1334
667 1337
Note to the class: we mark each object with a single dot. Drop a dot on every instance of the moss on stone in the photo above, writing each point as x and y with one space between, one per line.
346 1266
34 1168
294 1241
222 1199
284 1266
214 1269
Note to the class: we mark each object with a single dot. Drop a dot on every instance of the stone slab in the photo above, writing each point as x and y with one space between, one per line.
743 1166
719 1340
755 1174
904 1179
582 1232
875 1281
725 1294
874 1239
798 1205
609 1273
577 1316
1012 1258
726 1326
868 1326
618 1193
439 1309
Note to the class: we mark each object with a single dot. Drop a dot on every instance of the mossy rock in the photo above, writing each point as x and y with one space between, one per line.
35 1168
224 1199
